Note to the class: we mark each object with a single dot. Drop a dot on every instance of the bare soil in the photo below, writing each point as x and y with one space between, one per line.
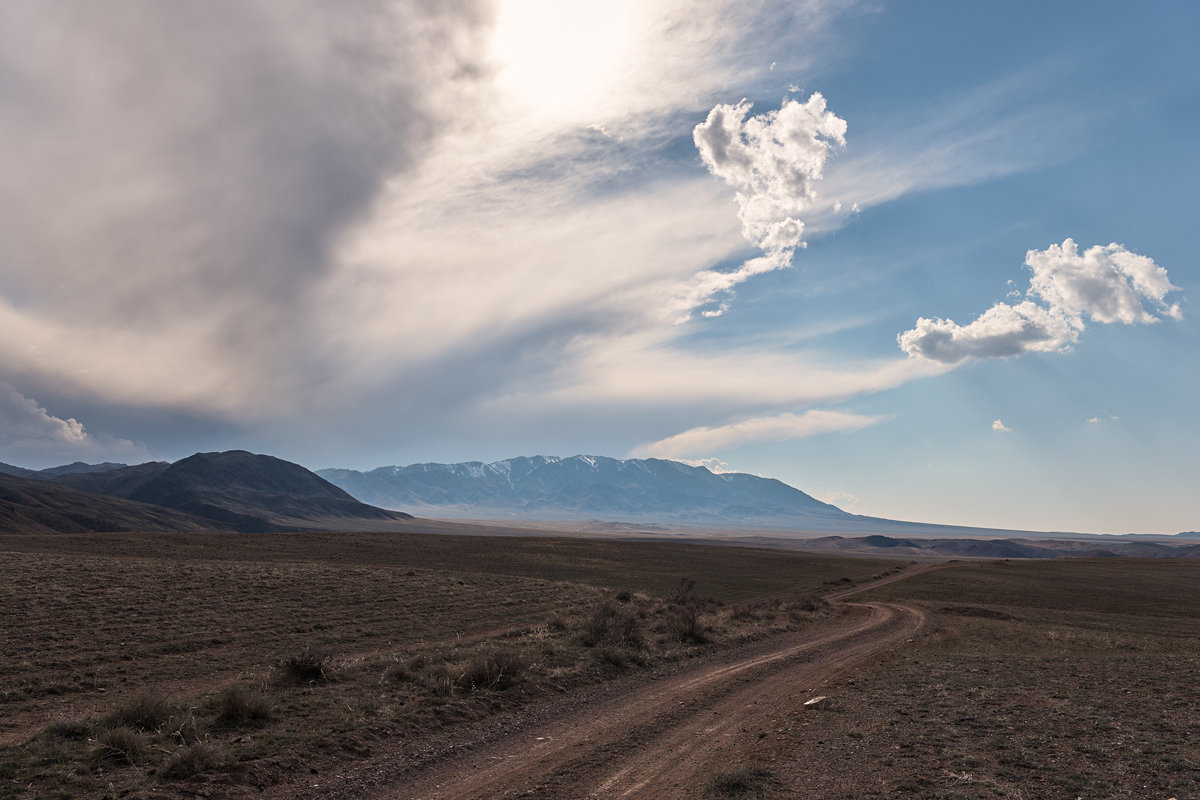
1066 678
405 623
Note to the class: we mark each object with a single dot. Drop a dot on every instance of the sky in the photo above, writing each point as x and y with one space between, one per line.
923 260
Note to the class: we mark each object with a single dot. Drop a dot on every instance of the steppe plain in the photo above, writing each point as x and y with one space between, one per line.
423 665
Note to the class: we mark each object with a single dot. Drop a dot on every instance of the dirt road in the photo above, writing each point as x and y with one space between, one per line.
656 740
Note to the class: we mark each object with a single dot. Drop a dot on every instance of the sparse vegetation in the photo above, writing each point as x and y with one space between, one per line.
239 704
431 647
304 667
143 711
611 625
118 747
742 783
191 760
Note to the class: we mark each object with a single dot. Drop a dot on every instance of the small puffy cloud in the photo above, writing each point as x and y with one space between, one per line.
23 421
774 161
1099 419
31 434
998 425
1003 330
1103 284
777 428
1106 284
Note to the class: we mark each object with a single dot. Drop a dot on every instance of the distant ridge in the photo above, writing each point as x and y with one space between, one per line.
234 490
29 505
586 487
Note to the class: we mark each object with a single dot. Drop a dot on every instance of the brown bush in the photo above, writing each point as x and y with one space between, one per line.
118 747
812 603
141 712
307 666
191 760
239 704
612 626
496 669
69 728
683 624
743 783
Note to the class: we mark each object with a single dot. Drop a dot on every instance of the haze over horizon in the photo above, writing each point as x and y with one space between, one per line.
924 263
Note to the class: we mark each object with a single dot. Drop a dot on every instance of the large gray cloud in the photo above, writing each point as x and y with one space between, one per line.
182 171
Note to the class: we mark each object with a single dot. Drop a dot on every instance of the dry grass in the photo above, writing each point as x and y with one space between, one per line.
741 783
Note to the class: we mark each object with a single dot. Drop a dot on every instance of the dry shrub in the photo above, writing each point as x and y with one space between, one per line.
141 712
306 667
400 673
743 783
69 728
238 704
755 611
495 669
811 604
191 760
612 626
118 747
185 730
611 656
407 671
685 592
440 680
682 623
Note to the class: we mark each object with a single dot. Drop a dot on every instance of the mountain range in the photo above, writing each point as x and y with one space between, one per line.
586 487
242 491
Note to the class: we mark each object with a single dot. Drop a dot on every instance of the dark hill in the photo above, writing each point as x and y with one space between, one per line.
39 506
254 493
19 472
121 481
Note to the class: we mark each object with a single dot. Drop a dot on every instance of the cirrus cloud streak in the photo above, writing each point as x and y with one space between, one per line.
776 428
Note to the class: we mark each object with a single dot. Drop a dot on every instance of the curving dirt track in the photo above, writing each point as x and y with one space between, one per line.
654 740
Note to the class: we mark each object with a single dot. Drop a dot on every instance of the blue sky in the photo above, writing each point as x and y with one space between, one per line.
824 242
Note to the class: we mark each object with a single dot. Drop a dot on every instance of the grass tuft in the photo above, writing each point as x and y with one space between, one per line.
238 704
495 669
743 783
191 760
141 712
118 747
305 667
70 728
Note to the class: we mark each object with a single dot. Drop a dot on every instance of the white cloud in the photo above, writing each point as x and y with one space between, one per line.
777 428
29 431
1001 331
22 421
774 161
1101 419
1104 284
998 425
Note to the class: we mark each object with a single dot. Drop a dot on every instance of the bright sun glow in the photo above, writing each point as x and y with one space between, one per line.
561 55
